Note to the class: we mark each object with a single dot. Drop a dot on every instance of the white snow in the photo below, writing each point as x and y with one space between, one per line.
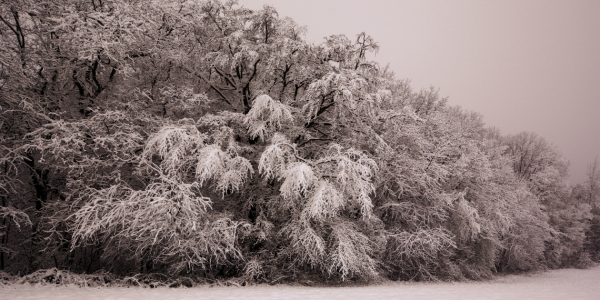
558 284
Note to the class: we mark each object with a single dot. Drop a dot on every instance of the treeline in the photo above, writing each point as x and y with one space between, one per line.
200 138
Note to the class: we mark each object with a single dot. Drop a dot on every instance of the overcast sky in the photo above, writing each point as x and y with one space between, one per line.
525 65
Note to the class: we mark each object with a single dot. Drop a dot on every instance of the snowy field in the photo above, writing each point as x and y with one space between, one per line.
559 284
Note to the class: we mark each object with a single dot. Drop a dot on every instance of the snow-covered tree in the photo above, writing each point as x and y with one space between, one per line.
206 138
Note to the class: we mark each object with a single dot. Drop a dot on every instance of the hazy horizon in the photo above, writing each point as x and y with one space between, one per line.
524 65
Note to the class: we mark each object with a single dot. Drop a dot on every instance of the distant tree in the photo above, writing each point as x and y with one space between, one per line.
593 182
592 242
544 170
532 155
590 194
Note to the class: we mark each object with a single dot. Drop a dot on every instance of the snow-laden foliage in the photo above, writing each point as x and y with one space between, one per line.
306 246
183 149
299 180
173 145
321 191
275 157
325 202
206 140
266 116
351 253
14 216
166 223
348 171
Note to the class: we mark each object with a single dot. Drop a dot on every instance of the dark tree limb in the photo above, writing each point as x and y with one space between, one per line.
209 83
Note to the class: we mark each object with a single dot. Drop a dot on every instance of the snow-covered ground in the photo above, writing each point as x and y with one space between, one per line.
559 284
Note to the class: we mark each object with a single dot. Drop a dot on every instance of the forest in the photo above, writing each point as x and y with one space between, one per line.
199 139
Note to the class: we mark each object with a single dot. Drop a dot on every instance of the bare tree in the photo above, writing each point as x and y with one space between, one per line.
593 182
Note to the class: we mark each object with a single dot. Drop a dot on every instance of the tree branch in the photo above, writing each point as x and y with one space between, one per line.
16 29
210 84
311 140
229 81
246 89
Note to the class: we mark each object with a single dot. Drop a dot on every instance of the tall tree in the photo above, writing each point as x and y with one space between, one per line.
203 137
593 182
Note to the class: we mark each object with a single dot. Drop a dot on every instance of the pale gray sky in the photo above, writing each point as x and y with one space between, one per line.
525 65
